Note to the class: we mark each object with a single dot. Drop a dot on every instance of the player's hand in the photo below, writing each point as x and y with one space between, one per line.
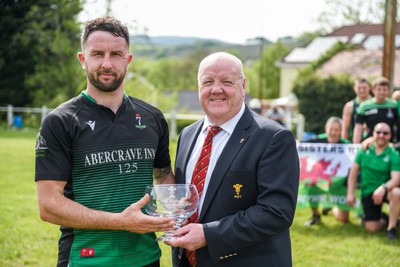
134 220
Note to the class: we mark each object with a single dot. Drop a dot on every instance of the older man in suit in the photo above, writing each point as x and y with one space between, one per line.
248 185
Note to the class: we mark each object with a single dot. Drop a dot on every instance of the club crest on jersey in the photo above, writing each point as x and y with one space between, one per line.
41 146
389 114
139 122
40 142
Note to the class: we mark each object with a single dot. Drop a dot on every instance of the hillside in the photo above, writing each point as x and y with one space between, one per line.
177 46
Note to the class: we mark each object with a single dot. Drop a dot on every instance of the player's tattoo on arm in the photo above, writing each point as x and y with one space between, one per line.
159 173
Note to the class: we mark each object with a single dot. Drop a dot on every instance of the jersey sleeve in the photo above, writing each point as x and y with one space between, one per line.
360 115
395 160
163 159
53 150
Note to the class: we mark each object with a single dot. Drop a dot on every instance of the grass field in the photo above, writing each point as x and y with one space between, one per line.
27 241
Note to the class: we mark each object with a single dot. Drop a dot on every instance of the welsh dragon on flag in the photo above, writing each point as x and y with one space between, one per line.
323 175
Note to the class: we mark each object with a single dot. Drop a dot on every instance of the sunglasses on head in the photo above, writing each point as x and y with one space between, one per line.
382 132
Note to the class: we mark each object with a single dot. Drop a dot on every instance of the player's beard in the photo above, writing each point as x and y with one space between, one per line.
106 87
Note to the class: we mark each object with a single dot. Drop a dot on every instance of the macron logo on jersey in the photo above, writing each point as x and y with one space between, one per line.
91 124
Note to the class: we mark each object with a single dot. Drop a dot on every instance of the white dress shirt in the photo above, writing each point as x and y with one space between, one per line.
219 142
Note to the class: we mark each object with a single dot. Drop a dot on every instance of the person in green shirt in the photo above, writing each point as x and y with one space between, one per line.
380 108
380 179
362 90
333 130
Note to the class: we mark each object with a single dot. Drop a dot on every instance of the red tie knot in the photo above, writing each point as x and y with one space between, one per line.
214 130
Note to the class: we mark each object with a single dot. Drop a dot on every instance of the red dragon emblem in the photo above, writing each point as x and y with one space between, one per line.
318 171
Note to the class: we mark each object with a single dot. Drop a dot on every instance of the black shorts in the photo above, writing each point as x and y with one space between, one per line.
372 212
154 264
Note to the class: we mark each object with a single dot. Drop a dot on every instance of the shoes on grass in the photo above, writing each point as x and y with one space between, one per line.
391 234
314 220
325 211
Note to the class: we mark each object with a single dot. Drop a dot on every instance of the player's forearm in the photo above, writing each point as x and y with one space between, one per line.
163 176
357 133
345 133
394 180
63 211
346 117
351 182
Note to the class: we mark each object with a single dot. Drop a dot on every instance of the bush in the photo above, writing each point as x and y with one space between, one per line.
321 98
183 123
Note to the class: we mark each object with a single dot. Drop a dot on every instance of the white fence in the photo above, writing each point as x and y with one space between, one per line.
297 121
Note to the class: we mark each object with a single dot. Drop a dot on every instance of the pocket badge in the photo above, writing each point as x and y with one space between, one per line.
237 188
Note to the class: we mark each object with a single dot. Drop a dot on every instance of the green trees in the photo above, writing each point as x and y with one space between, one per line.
263 75
321 98
348 12
15 59
157 81
318 97
38 44
271 55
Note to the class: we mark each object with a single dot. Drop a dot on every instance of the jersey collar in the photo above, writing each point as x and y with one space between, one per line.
87 96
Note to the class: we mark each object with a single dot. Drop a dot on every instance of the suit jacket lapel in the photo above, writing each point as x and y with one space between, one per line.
232 148
186 148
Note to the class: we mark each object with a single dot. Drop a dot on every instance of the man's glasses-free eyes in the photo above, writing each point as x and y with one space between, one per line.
382 132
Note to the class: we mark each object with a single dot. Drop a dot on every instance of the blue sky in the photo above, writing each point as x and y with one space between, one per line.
227 20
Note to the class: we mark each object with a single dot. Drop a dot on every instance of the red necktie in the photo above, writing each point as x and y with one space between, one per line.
199 176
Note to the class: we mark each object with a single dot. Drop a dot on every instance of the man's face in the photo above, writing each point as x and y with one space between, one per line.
105 60
333 130
382 134
362 89
381 92
221 90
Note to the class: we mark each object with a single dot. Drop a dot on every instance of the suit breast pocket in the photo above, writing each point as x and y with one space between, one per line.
238 190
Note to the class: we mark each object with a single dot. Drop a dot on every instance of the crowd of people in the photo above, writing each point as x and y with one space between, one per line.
372 120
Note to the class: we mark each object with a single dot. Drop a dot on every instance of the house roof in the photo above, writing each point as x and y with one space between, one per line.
360 63
365 36
367 29
314 50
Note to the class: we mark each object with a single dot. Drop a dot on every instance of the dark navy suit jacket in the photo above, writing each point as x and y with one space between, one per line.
251 198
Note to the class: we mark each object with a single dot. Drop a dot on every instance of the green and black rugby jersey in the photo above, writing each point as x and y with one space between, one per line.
372 113
107 161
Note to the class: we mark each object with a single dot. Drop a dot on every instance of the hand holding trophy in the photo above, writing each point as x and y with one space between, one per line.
177 201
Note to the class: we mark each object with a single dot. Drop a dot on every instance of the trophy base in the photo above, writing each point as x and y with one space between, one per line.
168 237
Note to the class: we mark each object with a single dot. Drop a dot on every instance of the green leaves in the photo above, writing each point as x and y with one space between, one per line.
321 98
38 51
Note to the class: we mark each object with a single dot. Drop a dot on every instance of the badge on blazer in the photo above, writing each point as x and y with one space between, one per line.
237 188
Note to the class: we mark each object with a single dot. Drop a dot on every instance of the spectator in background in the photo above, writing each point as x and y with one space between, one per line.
380 179
276 113
333 129
396 95
362 90
380 108
255 105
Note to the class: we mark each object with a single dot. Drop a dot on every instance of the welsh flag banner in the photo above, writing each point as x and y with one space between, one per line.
323 175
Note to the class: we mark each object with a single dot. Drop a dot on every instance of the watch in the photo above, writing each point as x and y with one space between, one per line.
385 187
